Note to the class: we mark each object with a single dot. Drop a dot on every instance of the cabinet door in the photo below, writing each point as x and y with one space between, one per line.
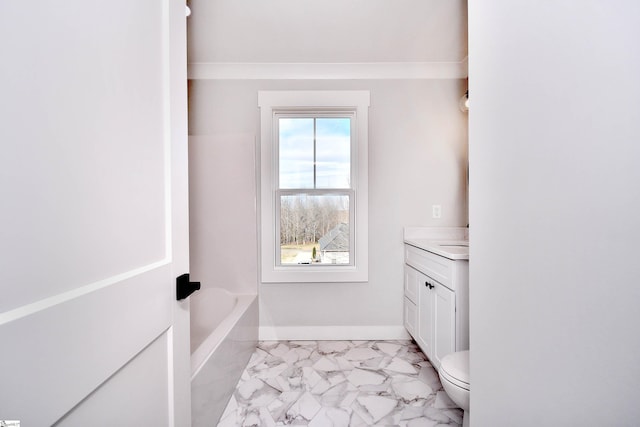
444 315
411 283
411 300
410 317
425 315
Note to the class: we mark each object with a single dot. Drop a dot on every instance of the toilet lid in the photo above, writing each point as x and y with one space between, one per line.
455 368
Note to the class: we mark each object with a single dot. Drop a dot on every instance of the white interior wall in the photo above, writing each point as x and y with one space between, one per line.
222 211
554 202
327 31
417 157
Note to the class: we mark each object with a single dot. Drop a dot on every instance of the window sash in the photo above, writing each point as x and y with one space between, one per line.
351 195
346 191
316 113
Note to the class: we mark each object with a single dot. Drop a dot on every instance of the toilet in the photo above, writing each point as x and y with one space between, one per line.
454 375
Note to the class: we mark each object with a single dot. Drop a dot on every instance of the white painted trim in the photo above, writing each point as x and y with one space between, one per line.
332 333
327 71
465 66
54 300
167 127
271 102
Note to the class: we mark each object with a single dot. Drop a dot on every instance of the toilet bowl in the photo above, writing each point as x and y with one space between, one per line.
454 375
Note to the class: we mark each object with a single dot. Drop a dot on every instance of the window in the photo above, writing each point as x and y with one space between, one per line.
313 193
314 186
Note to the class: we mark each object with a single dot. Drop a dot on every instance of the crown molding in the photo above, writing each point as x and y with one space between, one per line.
327 71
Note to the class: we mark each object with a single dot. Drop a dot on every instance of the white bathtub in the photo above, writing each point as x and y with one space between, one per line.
224 334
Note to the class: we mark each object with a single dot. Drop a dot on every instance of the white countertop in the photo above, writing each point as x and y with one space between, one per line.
449 242
452 249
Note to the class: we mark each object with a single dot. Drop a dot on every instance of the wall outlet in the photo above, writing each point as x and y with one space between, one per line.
436 211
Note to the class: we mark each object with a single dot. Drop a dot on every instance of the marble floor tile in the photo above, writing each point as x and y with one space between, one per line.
339 383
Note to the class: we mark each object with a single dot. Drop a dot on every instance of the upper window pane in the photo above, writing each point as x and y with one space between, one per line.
314 152
296 152
333 153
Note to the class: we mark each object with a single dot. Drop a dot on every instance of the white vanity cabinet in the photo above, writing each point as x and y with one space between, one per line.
411 288
436 304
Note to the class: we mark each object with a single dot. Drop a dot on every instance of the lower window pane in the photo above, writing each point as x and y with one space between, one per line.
314 229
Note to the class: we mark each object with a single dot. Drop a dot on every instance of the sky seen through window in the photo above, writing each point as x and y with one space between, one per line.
332 152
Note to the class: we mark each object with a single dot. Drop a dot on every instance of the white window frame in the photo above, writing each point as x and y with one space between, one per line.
274 104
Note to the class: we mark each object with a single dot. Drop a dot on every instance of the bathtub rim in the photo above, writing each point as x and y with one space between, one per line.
210 344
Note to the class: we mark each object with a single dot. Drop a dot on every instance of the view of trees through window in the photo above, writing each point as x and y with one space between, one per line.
314 229
314 164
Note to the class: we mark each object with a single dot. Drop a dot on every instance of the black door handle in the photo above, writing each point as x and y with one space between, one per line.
184 287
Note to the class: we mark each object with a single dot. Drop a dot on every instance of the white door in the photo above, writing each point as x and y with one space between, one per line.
93 213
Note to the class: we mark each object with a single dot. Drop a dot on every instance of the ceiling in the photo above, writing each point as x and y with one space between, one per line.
327 31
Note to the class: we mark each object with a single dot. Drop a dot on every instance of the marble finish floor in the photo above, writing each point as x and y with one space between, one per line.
340 383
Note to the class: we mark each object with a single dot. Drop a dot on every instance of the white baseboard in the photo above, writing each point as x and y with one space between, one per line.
332 333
